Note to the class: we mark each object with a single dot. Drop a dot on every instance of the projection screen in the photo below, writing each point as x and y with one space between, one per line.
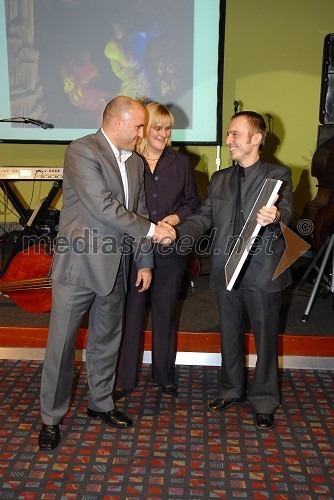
63 60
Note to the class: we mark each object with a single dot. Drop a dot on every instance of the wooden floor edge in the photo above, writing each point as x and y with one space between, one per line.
207 342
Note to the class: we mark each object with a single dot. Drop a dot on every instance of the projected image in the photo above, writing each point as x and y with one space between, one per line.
68 58
63 60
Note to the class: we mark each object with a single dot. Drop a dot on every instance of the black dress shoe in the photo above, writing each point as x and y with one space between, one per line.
49 437
171 390
114 418
119 394
264 421
220 404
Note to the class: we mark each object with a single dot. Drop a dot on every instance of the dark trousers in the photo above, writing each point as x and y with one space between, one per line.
164 294
262 309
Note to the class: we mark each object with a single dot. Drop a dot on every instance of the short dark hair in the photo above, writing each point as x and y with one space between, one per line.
256 124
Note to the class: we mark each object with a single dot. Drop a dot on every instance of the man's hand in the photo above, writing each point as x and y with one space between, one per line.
267 215
172 219
164 233
144 278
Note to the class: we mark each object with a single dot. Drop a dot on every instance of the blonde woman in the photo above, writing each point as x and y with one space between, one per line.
171 196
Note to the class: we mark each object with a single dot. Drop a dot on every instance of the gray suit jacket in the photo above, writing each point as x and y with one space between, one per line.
218 211
95 228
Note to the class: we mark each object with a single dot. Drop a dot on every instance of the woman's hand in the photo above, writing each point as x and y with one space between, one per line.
172 219
144 278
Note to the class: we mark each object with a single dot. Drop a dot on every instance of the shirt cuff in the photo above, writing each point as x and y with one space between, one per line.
151 231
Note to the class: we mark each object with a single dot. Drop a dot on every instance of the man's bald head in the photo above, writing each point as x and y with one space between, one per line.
119 106
123 122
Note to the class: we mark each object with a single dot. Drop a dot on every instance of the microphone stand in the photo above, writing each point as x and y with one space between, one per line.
31 223
32 121
236 107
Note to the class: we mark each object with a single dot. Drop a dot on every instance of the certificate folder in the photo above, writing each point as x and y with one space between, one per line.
249 232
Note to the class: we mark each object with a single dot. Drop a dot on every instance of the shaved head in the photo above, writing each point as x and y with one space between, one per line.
123 122
118 107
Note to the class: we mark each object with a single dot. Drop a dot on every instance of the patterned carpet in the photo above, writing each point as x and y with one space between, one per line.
176 450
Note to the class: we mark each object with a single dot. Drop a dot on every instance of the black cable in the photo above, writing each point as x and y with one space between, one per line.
33 187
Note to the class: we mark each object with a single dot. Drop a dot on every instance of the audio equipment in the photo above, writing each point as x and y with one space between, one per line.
35 222
326 114
325 132
31 173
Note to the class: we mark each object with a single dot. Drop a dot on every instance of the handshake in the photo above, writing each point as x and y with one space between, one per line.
164 233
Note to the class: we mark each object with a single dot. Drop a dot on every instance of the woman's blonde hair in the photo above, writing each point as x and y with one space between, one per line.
155 114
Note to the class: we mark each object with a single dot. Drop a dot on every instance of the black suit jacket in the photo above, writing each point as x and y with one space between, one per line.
170 189
218 211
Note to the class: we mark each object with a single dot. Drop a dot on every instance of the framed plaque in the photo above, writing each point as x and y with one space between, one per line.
249 232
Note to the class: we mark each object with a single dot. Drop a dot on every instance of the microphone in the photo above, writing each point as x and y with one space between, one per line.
22 119
38 123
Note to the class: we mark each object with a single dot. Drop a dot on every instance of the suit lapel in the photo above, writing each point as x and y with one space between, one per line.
112 167
131 170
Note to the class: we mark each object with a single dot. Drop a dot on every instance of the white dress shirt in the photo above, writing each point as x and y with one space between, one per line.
121 157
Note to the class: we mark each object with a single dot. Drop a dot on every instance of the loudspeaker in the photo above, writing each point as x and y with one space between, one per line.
325 132
326 114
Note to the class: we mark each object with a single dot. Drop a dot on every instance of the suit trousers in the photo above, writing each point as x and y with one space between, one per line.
262 309
69 304
164 293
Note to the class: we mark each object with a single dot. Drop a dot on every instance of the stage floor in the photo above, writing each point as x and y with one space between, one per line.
197 311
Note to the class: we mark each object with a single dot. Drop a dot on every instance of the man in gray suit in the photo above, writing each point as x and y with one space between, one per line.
231 195
104 216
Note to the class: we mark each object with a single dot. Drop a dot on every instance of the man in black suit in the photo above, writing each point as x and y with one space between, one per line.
230 197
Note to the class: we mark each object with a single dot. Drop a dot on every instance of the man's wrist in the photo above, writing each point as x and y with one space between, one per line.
277 218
